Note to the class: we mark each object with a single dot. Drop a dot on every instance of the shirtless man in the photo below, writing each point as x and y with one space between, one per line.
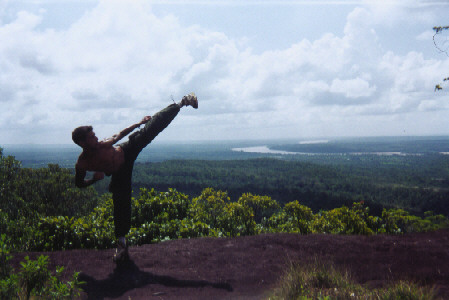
104 158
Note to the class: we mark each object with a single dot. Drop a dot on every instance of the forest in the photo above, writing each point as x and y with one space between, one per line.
415 183
41 209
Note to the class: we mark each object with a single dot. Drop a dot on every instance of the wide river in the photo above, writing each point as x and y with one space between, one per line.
266 150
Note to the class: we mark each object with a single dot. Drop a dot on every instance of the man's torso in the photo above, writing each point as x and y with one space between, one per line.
103 159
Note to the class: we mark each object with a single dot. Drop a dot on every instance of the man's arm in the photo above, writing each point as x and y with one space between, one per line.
117 137
80 176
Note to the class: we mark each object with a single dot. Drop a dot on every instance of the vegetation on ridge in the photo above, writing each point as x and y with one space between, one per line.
41 210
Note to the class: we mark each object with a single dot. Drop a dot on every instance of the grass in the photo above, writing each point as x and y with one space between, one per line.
320 280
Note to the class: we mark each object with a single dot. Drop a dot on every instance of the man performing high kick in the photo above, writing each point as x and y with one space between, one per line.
105 158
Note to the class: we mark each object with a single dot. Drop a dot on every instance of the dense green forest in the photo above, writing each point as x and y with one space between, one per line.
42 210
414 183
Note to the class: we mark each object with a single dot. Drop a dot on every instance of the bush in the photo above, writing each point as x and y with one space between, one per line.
159 216
263 207
345 220
159 207
34 278
209 207
237 220
294 218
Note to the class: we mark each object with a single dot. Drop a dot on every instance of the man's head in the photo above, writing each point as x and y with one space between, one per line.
80 135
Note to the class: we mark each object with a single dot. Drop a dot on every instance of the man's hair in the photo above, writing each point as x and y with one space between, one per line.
79 134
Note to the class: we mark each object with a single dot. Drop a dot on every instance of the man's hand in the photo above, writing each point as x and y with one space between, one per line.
144 120
81 174
117 137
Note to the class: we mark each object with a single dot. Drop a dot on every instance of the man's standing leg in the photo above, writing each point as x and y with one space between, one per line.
121 195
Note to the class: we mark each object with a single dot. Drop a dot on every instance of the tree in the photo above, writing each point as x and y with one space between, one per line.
10 202
51 191
440 46
263 207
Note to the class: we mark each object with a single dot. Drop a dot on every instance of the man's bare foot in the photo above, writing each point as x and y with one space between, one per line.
191 100
121 253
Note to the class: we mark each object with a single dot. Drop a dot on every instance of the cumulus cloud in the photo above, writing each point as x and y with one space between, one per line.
352 88
120 61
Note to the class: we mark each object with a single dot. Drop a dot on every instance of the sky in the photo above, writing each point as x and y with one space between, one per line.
262 69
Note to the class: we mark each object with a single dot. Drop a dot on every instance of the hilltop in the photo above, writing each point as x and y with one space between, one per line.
250 267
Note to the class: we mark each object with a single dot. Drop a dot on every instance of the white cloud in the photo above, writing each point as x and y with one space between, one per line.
120 61
352 88
425 36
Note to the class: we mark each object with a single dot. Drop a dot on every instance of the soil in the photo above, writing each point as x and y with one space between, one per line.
251 267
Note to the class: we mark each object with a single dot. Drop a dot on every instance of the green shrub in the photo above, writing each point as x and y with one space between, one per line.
400 221
159 216
224 218
344 220
294 218
93 231
159 207
33 278
162 216
263 207
209 207
237 220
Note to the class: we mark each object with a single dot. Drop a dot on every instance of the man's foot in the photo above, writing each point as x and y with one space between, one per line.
191 100
121 253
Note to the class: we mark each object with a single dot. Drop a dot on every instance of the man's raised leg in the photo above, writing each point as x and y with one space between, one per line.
140 139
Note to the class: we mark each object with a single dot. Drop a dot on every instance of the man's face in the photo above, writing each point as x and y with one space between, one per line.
91 140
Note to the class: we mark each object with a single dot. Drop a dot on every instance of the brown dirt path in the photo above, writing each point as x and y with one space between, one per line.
249 267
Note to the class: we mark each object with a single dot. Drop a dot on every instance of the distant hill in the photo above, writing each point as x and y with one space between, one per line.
33 155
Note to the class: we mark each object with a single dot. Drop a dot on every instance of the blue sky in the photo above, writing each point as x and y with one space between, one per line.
261 69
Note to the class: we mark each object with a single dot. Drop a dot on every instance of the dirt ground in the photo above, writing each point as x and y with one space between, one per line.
250 267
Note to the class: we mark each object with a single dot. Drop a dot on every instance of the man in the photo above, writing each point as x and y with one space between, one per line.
105 158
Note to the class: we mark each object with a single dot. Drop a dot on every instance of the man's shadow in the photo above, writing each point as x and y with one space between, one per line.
127 276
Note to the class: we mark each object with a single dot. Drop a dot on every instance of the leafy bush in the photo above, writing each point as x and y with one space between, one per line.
237 220
209 207
167 215
344 220
400 221
93 231
164 215
34 278
159 216
159 207
263 207
224 217
295 218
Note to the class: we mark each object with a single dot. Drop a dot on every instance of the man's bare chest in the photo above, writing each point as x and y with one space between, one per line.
104 160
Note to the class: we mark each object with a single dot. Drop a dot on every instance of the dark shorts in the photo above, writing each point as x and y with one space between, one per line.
120 185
